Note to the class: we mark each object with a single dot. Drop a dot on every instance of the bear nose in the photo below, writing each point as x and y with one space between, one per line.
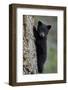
42 34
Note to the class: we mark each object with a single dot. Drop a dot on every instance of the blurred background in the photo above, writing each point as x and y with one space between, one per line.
50 65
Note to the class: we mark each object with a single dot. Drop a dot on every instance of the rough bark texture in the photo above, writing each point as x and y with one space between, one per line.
29 49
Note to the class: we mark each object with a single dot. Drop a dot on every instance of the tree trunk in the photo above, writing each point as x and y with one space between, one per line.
29 49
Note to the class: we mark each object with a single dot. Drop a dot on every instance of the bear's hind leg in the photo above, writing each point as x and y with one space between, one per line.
40 68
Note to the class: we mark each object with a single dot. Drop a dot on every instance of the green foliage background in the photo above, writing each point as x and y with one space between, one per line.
50 66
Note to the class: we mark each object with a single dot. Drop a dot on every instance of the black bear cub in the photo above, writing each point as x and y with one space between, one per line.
41 43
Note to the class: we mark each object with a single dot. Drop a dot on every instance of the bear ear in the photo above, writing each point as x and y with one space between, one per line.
48 26
39 23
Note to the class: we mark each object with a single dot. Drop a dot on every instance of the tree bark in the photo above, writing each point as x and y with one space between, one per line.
29 49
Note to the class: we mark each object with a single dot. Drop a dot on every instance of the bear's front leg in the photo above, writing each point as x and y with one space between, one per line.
35 32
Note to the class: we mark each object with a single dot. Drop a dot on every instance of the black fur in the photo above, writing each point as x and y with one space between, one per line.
41 43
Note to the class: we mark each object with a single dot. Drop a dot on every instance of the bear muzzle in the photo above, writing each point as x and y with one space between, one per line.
42 35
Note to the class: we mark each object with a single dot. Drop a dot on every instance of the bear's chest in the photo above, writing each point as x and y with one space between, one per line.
41 42
41 46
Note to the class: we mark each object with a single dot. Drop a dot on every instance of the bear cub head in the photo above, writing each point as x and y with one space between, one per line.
43 29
